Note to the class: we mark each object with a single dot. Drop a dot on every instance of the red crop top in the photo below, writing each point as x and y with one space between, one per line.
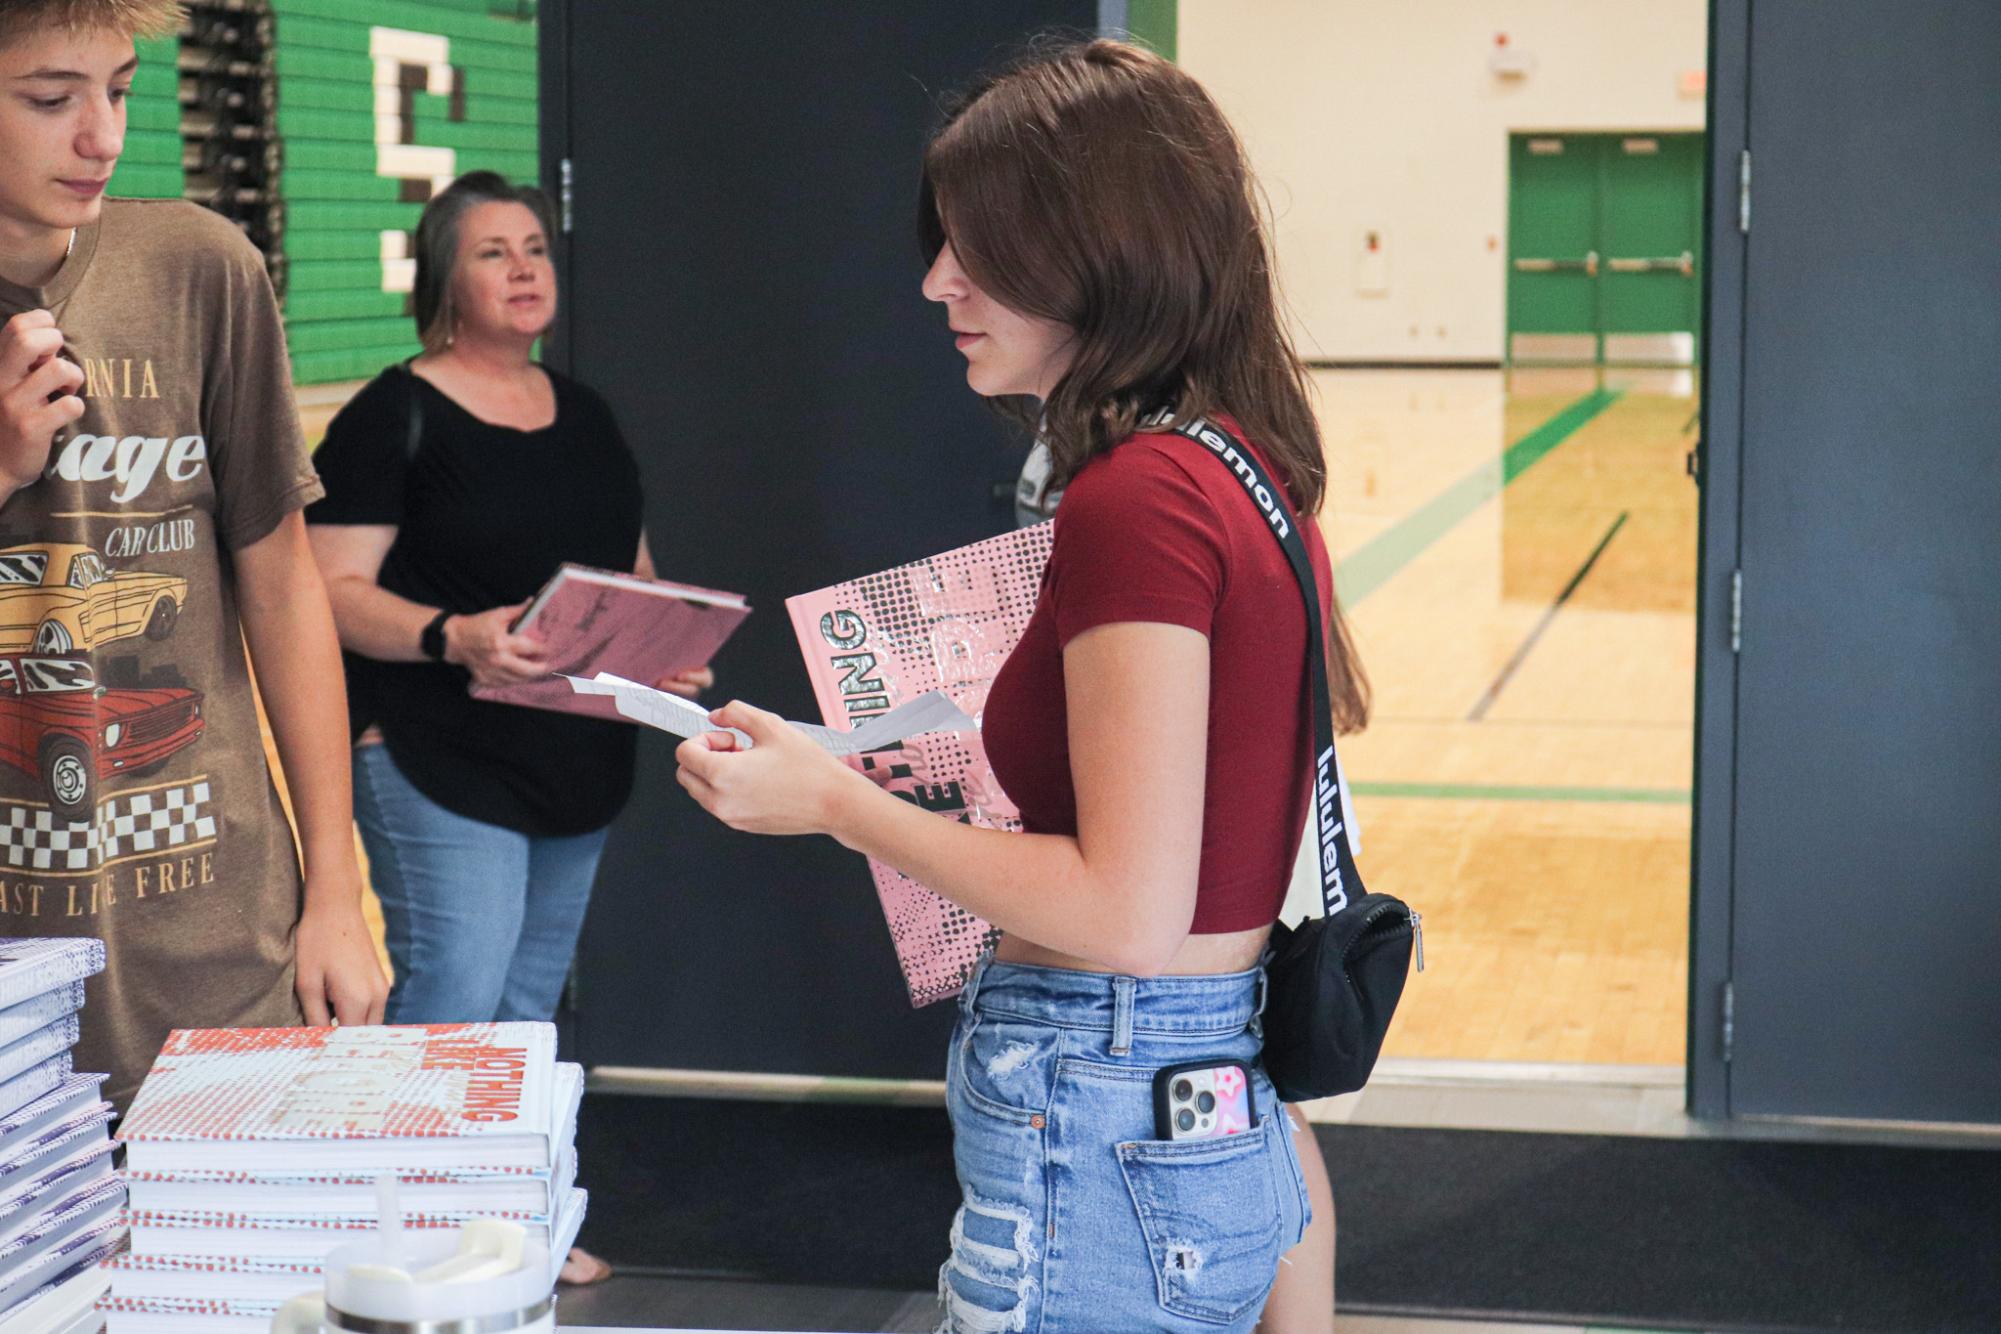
1158 530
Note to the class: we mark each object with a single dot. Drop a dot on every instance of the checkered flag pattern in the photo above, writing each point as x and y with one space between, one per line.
35 838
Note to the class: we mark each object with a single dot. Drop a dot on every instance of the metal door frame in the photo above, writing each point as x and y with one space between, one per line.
1718 459
553 29
1719 465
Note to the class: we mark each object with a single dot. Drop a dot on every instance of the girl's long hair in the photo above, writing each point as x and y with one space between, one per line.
1097 185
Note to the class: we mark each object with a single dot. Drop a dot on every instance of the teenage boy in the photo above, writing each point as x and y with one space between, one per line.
151 477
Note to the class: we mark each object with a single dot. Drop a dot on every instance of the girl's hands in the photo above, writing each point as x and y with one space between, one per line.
494 654
784 784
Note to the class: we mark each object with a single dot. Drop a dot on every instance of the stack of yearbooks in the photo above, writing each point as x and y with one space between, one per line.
59 1199
252 1153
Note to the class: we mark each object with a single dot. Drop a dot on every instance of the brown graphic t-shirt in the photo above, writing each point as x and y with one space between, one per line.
135 803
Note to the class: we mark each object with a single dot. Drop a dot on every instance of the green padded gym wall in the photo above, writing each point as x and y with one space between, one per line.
151 165
380 102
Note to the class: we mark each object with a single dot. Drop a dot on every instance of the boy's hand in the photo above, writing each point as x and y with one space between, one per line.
37 395
340 977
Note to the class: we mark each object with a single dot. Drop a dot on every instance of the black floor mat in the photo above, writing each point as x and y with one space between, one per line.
1578 1228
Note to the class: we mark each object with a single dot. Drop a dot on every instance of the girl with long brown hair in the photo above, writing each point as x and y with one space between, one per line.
1096 243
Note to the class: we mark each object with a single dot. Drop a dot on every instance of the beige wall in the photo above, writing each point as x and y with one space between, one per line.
1383 114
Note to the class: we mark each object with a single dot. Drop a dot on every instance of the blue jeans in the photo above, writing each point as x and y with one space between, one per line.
482 921
1074 1216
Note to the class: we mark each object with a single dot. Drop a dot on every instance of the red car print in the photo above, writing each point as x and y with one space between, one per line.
58 724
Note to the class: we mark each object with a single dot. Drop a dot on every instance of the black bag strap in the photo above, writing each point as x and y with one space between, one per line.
1337 858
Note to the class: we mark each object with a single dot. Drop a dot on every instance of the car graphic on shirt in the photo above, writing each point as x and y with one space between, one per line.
58 597
59 725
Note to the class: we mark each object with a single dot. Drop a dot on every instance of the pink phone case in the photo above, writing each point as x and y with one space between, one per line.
1203 1100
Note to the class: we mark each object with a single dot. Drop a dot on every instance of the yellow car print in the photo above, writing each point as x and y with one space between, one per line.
59 597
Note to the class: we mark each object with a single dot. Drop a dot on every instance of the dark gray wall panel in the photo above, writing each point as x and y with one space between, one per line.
1867 858
741 282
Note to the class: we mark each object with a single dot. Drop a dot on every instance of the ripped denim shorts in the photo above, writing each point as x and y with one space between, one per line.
1074 1217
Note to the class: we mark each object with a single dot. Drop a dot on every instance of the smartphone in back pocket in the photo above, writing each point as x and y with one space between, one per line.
1203 1100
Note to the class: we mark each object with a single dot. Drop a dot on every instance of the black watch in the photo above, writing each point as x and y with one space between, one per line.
432 643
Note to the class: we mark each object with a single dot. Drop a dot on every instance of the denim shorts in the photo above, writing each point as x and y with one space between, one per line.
1074 1217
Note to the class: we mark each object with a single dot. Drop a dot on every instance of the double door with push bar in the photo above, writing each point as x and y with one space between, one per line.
1604 249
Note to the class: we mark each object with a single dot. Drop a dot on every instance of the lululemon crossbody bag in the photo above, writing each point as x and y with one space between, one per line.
1332 982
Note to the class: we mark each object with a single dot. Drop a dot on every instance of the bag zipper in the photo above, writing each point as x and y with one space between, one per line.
1382 910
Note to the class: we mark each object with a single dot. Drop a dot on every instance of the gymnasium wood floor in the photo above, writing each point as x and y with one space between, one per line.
1519 573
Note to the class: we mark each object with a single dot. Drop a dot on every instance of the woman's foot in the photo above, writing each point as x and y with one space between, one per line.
583 1269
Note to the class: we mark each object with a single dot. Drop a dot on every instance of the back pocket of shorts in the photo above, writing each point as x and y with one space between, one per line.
1211 1220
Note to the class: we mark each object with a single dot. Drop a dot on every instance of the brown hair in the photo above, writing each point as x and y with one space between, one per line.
1097 185
438 244
139 18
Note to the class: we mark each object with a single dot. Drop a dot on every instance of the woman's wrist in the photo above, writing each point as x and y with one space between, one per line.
845 810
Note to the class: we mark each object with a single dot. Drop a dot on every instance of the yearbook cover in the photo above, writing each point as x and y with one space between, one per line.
39 1047
602 621
140 1277
62 1261
40 1011
65 1303
427 1190
311 1236
35 1082
945 623
30 967
395 1096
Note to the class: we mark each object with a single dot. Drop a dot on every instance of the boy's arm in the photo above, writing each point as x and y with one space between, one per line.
296 656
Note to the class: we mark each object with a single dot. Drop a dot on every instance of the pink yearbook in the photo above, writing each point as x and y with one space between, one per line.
946 623
603 621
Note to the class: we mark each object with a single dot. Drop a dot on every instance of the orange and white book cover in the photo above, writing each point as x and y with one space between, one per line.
433 1081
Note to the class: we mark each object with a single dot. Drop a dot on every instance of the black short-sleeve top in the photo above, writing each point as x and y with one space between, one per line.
483 516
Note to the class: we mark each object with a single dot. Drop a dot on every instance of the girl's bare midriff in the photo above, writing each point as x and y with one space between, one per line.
1230 952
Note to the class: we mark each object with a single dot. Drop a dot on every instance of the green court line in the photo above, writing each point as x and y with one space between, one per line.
1651 796
1379 559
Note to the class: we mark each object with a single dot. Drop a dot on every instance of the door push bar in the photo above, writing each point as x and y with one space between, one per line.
1589 264
1684 264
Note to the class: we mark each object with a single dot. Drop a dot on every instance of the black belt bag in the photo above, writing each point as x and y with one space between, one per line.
1332 982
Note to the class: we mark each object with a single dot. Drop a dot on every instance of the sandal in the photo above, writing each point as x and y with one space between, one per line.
583 1269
